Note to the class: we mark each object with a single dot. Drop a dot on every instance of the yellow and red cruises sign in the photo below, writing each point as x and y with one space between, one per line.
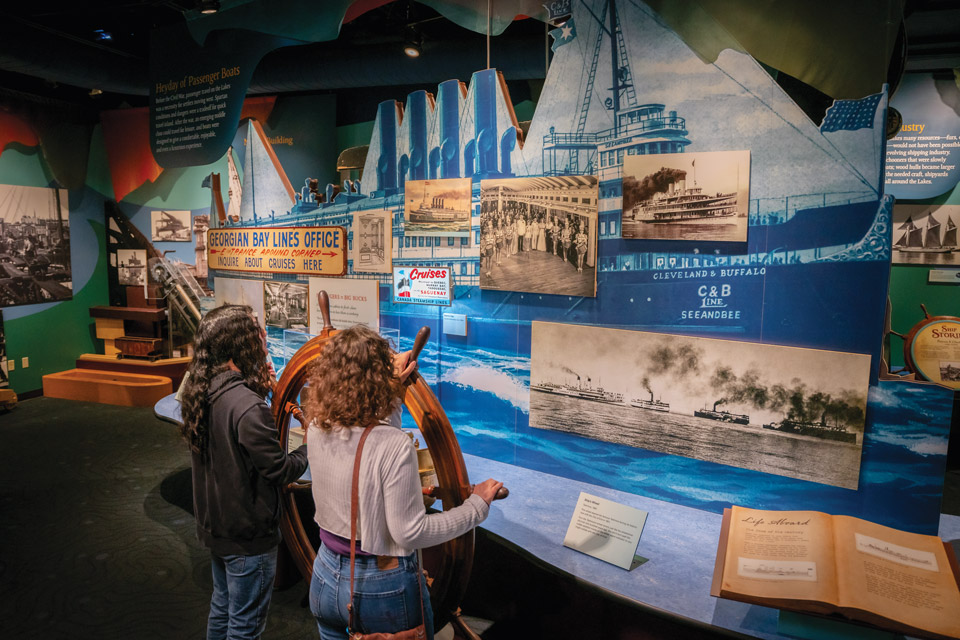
316 251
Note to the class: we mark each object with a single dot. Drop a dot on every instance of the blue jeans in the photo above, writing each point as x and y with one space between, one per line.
384 601
242 587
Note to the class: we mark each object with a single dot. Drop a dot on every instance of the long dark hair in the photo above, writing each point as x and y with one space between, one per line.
225 333
352 382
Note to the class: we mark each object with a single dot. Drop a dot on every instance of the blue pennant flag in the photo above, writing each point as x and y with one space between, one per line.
851 115
563 34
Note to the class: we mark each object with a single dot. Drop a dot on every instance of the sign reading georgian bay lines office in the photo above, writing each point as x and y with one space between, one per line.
317 251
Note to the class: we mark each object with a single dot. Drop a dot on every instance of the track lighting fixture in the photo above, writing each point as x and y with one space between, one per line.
412 43
209 6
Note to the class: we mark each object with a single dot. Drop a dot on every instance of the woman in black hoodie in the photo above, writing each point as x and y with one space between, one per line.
239 467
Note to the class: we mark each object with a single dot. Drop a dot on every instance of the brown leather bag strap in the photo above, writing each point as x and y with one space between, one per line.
354 512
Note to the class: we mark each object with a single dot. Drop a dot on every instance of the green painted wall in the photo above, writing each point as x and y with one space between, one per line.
909 288
52 336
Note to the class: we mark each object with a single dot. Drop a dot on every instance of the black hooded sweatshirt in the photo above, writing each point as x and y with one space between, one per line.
237 482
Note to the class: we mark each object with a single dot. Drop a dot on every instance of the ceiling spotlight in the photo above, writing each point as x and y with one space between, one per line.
95 92
209 6
412 43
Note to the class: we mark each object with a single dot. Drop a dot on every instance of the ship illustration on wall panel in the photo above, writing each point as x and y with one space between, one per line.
811 273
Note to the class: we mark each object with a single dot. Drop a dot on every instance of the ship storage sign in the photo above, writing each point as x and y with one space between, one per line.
316 251
421 285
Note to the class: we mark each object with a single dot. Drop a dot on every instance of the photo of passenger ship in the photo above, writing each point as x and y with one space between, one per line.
686 196
787 411
438 207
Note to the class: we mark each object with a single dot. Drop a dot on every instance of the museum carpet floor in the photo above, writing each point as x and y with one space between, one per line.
97 536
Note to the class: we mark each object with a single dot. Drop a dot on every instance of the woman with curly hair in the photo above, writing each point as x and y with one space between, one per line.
239 467
357 382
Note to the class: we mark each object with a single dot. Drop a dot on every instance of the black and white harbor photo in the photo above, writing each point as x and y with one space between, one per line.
686 196
781 410
539 235
34 246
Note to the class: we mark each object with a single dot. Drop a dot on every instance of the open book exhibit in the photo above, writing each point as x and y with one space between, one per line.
810 561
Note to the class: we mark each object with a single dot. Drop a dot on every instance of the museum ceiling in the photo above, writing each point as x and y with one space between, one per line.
62 49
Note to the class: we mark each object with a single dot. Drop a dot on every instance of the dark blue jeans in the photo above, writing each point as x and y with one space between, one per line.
384 601
242 587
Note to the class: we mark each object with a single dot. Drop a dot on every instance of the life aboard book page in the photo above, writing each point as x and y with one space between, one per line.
814 562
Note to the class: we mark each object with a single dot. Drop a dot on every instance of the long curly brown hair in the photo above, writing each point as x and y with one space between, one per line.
226 333
352 382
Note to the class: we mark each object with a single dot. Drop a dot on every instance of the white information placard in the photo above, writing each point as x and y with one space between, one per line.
351 302
605 530
948 276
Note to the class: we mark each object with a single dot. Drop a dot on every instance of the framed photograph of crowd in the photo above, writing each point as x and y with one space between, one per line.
686 196
539 235
34 245
437 207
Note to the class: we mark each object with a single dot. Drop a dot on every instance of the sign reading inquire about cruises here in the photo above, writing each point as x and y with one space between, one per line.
317 251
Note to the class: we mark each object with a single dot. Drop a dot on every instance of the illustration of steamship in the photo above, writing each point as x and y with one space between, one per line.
435 211
817 430
651 404
580 391
722 416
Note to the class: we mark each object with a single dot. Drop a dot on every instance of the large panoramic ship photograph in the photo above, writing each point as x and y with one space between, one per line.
438 207
721 394
686 196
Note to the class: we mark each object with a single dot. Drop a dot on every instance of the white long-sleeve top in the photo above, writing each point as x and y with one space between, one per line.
392 519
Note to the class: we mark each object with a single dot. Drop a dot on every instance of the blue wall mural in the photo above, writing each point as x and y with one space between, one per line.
812 273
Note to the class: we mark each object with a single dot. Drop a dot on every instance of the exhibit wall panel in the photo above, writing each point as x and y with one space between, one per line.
812 272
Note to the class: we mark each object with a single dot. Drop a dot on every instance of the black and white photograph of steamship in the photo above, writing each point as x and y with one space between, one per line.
686 196
782 410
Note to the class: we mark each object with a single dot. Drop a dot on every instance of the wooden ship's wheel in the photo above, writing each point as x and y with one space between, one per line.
448 565
929 359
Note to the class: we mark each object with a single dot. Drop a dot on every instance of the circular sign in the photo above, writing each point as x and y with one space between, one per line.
932 350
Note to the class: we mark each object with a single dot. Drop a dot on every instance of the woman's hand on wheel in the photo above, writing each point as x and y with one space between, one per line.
487 489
